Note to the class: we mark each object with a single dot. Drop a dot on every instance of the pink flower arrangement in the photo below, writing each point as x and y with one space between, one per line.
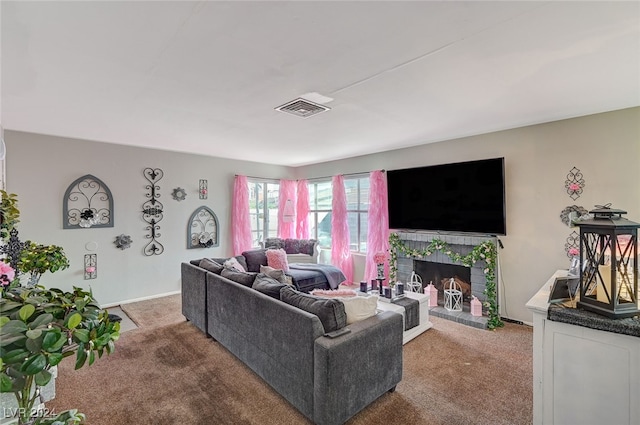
7 274
574 186
90 269
379 257
574 252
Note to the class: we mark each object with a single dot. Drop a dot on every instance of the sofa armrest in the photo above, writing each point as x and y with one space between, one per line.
355 369
194 295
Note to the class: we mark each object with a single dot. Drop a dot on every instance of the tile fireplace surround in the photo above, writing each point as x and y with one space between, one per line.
462 244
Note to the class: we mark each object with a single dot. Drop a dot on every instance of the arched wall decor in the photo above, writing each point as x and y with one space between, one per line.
87 203
202 229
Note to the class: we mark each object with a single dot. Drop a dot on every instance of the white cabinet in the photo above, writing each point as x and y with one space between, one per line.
581 375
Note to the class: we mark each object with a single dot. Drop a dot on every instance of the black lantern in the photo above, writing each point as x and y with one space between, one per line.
609 258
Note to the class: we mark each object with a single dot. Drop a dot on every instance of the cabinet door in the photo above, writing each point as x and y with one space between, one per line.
590 376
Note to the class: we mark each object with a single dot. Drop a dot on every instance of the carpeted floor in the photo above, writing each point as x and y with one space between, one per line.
168 372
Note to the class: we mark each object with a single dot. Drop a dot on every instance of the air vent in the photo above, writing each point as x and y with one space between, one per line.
302 108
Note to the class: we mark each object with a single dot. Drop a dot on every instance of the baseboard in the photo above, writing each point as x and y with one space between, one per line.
135 300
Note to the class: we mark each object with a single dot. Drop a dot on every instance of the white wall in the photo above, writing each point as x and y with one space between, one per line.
40 168
605 147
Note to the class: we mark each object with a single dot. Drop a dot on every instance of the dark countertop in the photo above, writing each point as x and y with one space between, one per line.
564 312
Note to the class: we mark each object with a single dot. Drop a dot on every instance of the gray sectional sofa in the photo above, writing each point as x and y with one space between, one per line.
327 379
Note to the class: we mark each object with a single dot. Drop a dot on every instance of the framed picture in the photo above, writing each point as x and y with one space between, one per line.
563 289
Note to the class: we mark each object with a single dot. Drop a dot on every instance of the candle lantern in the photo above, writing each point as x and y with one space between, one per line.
609 259
453 296
433 294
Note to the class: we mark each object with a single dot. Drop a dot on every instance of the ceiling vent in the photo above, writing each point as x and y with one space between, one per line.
302 108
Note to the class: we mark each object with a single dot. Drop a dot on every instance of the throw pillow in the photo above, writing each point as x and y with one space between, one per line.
360 308
233 263
210 265
333 293
277 274
268 285
255 258
299 246
240 259
277 259
243 278
331 312
274 243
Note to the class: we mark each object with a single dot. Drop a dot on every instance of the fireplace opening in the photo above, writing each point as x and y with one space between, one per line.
440 274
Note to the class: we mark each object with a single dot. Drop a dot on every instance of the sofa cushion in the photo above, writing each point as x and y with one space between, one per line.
299 246
255 258
360 307
240 259
268 285
233 264
277 259
277 274
212 266
243 278
331 312
274 243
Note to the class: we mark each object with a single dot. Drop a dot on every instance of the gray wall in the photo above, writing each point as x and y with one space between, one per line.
606 147
40 168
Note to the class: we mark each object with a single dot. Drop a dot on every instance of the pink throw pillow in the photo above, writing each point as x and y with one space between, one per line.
277 258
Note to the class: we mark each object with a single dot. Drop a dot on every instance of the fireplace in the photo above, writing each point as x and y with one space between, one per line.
440 274
439 266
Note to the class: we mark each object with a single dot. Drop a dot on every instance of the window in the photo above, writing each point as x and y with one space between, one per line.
320 199
263 210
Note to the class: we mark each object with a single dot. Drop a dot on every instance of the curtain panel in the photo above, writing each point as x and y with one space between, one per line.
340 252
378 224
302 210
287 209
240 219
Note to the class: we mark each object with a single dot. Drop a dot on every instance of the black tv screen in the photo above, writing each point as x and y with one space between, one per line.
461 197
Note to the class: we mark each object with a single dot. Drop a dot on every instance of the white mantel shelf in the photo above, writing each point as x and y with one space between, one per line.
580 375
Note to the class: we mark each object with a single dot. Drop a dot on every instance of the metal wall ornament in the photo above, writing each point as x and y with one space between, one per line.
90 266
87 203
203 189
123 241
574 183
572 245
571 213
152 211
202 229
179 194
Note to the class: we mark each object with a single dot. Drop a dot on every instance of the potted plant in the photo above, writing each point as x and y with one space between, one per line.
38 328
9 213
37 259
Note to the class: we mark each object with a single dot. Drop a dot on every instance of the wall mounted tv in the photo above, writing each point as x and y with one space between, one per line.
460 197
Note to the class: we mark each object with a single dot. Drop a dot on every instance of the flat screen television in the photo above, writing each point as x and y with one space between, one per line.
466 197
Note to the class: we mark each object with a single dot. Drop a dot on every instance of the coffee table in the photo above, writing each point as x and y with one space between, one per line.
424 324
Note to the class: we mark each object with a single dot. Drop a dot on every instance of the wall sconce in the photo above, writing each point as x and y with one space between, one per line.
609 258
90 266
202 189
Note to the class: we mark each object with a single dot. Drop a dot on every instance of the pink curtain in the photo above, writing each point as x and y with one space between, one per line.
302 210
378 230
340 252
287 209
240 221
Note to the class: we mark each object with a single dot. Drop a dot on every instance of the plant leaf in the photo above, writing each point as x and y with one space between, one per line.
42 320
81 335
53 341
82 357
13 327
34 364
34 333
26 311
5 383
74 320
55 358
43 378
15 356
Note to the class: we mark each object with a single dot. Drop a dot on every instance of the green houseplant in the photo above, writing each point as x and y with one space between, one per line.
38 328
37 259
9 213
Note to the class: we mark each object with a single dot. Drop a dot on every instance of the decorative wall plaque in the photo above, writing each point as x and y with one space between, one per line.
152 211
87 203
202 229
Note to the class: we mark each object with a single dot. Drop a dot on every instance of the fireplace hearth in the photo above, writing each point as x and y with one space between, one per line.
439 268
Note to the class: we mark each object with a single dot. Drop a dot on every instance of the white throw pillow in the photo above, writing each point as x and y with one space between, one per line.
360 308
233 263
276 274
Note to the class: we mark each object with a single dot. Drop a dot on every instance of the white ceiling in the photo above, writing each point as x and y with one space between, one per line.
205 77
